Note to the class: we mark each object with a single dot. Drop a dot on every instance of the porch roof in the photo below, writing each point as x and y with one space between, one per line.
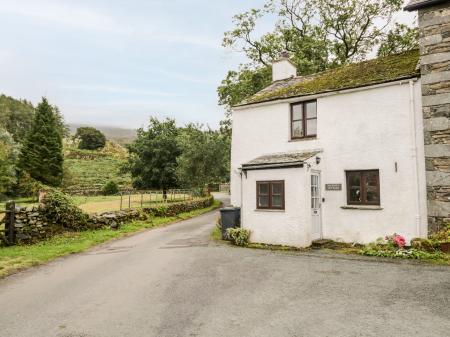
279 160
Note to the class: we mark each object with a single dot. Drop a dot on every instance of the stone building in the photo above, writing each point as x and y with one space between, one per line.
434 27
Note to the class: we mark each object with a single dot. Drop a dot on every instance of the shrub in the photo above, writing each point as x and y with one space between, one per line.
396 240
110 188
61 210
423 244
239 236
172 209
90 138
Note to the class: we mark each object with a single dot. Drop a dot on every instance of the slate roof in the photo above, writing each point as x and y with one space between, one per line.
417 4
279 160
384 69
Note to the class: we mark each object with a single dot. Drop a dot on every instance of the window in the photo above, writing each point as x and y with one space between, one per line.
270 194
303 120
363 187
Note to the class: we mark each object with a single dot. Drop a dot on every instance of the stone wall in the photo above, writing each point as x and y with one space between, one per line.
434 25
31 226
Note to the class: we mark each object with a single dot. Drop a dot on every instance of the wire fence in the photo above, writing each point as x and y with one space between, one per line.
128 199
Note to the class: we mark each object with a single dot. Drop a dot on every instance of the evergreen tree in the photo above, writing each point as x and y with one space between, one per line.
42 153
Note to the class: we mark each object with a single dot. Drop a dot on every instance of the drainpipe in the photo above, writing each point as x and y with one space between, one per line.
242 197
414 155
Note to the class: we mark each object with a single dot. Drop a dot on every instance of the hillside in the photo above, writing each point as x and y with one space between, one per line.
119 135
93 169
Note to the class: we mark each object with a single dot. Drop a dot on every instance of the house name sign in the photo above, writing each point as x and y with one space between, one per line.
333 187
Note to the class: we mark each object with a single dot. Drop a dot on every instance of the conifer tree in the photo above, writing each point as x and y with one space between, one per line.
42 153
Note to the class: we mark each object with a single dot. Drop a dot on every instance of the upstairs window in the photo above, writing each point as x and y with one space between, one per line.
363 187
304 120
270 194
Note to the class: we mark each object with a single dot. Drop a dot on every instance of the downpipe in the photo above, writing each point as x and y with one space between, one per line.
414 155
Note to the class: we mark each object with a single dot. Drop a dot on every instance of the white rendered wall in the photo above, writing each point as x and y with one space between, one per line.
290 228
370 129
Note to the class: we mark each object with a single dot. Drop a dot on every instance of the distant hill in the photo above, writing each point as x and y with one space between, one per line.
119 135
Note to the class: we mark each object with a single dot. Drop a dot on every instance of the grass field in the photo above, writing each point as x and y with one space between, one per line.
16 258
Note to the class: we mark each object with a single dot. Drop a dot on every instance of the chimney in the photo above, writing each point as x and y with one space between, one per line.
283 68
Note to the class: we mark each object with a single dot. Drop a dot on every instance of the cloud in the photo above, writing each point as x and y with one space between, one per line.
62 13
119 90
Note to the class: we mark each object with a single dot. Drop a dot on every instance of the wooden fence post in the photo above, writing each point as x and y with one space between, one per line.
129 200
121 196
142 200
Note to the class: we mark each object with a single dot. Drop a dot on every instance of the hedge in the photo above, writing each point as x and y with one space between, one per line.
175 208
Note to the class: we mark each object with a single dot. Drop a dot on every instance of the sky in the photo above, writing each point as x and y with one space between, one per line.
118 62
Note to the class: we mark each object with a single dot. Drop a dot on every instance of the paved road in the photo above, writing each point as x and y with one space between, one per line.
173 281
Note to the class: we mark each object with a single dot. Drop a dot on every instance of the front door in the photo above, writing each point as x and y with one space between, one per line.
316 230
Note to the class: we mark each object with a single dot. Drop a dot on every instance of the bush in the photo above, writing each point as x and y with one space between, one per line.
172 209
424 244
61 210
110 188
90 138
239 236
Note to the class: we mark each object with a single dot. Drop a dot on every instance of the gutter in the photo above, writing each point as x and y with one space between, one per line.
299 98
422 4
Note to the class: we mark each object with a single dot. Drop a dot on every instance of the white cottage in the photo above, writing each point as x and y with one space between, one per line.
335 155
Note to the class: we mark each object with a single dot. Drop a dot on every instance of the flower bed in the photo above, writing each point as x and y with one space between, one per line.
433 248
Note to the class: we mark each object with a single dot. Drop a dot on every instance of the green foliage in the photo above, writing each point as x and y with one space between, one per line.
153 155
172 209
90 138
412 253
110 188
424 244
238 236
61 210
241 84
319 34
42 156
8 159
27 186
204 158
16 117
399 39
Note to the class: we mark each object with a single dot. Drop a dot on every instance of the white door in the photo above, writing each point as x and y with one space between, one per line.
316 230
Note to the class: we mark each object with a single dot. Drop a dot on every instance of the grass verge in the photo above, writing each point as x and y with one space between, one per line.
13 259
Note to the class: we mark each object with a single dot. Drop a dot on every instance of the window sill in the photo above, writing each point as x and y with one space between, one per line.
269 210
302 139
369 208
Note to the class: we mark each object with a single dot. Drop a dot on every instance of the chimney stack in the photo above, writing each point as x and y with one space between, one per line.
283 68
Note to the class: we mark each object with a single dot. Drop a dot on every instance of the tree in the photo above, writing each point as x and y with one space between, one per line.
16 117
205 156
153 155
42 156
319 34
8 156
399 39
90 138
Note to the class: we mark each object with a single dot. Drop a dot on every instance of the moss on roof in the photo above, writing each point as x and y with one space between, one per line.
376 71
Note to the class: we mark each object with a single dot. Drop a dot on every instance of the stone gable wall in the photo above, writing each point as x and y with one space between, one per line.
434 24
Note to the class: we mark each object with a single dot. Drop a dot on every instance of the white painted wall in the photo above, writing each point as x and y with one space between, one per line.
368 129
290 228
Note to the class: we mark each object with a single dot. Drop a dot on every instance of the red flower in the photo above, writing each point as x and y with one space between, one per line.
399 241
